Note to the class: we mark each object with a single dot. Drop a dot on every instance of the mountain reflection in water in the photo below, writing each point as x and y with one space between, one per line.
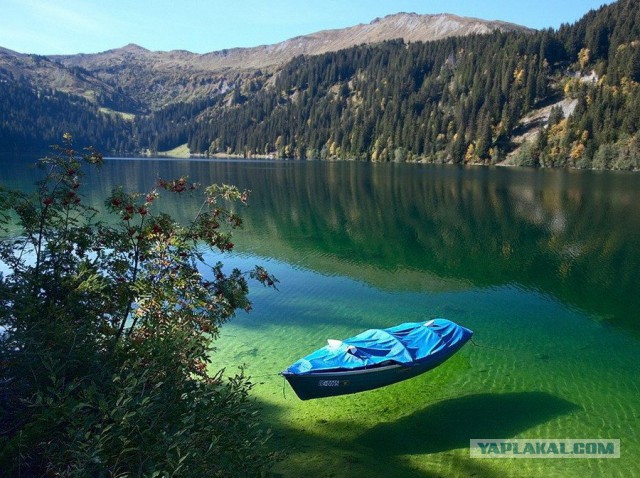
571 234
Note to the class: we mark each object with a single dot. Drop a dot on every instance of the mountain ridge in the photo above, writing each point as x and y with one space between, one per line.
408 26
134 80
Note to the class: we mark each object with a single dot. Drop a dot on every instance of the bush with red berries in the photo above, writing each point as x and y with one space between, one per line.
106 324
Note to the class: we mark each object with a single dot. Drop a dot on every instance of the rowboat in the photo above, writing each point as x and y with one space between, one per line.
375 358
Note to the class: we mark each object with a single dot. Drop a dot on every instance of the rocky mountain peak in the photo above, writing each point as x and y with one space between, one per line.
160 77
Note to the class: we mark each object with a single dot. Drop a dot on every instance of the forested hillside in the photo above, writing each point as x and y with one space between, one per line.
34 119
554 98
455 100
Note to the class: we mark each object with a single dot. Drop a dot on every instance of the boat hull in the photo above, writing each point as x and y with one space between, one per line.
333 383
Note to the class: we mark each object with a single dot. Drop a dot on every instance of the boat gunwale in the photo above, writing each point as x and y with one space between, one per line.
355 371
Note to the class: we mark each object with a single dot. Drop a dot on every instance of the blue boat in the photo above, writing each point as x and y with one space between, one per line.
375 358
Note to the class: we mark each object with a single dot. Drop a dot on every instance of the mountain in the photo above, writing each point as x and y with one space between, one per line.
158 77
43 73
407 87
565 98
410 27
111 88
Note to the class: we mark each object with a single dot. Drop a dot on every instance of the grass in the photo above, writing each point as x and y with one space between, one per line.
121 114
181 151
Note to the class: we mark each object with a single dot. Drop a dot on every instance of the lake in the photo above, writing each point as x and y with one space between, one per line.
544 267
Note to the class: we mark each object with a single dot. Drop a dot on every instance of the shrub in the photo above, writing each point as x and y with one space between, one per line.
105 353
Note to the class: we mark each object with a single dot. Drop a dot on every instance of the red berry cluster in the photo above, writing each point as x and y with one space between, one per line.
177 185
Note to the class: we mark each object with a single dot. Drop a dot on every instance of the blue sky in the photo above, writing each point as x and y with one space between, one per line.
200 26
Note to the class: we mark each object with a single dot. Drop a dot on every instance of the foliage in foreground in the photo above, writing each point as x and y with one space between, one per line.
107 327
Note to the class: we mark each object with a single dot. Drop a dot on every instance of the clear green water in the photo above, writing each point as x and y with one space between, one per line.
544 266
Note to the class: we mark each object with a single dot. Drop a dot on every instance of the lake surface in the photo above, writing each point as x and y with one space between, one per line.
544 266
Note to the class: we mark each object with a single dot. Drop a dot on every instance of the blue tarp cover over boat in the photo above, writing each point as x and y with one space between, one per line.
375 358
